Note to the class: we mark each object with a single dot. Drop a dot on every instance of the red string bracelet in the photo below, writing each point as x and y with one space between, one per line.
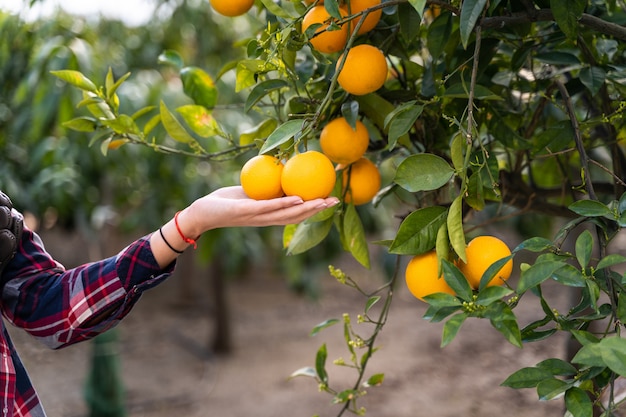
182 235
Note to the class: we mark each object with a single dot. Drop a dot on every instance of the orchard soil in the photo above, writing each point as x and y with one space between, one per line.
167 368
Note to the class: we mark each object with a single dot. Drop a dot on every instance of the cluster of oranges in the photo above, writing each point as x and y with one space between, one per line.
332 36
422 273
313 174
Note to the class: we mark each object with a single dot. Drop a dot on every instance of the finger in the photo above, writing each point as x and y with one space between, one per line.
8 245
5 217
5 200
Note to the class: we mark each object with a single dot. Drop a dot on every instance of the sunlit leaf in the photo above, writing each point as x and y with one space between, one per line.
282 134
418 231
199 86
77 79
323 325
423 172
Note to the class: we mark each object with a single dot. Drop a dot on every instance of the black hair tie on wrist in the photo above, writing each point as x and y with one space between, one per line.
168 243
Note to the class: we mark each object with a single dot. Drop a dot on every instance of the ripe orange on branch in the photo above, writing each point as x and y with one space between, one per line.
361 182
364 70
373 17
325 41
481 252
422 276
232 8
260 177
309 175
341 143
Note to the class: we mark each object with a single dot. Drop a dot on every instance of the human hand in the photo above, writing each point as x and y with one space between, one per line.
11 225
230 207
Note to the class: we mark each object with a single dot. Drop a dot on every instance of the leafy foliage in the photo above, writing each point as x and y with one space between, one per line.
508 108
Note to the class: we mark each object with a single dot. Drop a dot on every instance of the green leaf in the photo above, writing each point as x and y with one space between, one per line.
537 273
439 33
261 90
350 111
308 235
419 6
401 120
475 191
345 396
503 320
374 380
491 294
354 236
199 86
570 276
371 302
557 367
423 172
171 58
591 208
470 13
492 271
455 227
306 371
456 280
608 352
566 14
584 247
173 126
77 79
621 307
82 124
323 325
458 148
282 134
535 244
332 7
200 120
451 328
557 57
112 87
260 131
442 300
123 125
276 10
418 231
320 364
410 21
593 78
611 260
526 378
578 403
552 388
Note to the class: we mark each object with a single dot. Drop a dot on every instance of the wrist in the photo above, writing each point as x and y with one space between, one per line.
187 227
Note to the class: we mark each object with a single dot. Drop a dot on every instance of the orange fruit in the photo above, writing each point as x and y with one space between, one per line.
373 17
422 276
362 181
364 70
481 252
325 41
261 177
231 8
343 144
309 175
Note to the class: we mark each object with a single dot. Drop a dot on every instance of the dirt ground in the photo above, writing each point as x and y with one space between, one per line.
167 369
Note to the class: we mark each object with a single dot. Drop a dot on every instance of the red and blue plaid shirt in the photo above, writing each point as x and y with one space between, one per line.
61 307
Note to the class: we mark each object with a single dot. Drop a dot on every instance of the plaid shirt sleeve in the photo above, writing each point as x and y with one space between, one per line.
63 306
